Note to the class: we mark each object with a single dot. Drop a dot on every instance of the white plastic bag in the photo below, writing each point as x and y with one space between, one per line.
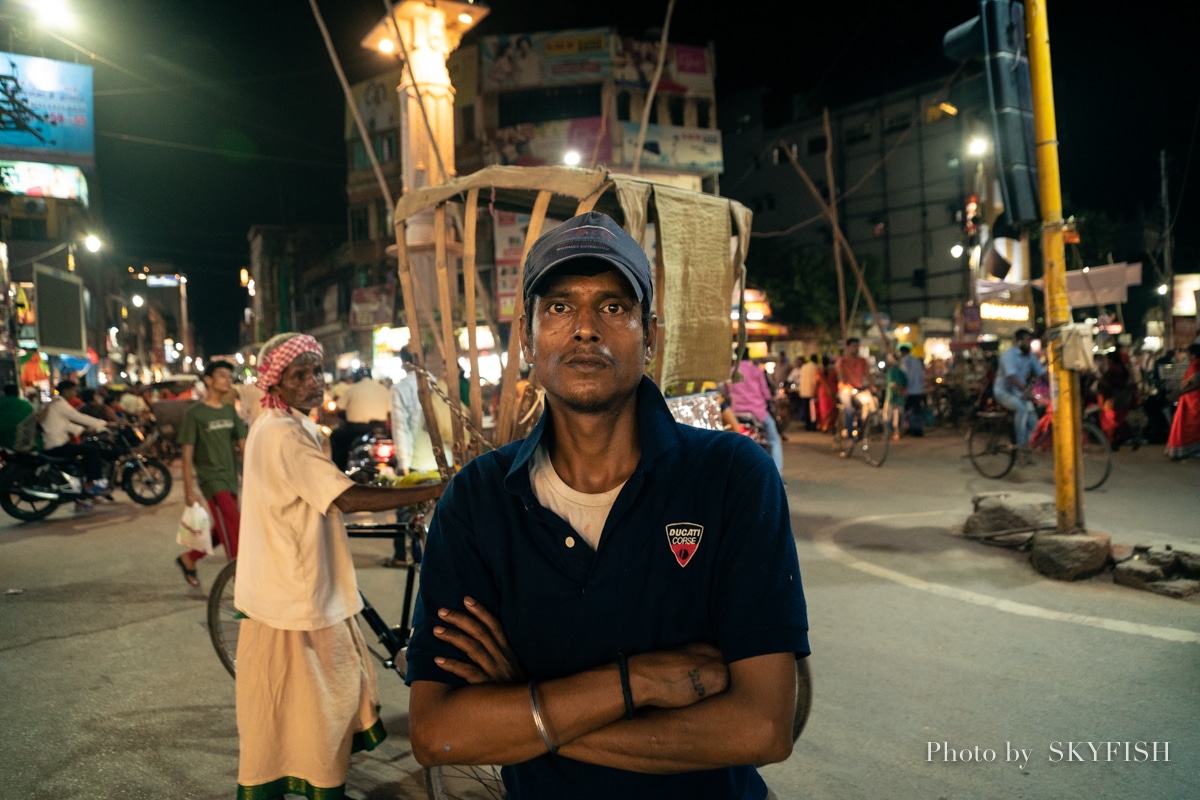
194 531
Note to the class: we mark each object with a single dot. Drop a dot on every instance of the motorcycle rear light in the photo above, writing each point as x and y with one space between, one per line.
384 452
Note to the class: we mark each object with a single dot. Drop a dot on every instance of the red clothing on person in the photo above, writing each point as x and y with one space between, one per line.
826 398
854 368
1184 440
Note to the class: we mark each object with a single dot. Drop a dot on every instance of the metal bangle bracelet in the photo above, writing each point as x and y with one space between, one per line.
537 719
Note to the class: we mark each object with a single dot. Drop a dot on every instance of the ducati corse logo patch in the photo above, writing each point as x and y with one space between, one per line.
684 538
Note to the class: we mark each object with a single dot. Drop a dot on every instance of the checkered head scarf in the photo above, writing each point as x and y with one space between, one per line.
275 357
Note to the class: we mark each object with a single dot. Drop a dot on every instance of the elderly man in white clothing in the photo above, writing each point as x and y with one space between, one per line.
306 691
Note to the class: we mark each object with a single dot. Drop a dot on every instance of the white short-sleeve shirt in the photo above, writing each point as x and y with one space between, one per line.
295 571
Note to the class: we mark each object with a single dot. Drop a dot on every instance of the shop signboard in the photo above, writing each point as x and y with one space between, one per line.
372 306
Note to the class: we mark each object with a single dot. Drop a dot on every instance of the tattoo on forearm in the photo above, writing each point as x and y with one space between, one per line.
697 684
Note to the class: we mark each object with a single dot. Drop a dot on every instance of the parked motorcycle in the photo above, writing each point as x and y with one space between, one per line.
752 426
34 485
374 454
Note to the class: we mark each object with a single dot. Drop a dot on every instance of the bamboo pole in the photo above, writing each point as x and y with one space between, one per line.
832 213
450 354
662 57
470 224
508 384
840 239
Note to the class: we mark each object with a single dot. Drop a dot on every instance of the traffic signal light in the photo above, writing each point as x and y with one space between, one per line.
997 37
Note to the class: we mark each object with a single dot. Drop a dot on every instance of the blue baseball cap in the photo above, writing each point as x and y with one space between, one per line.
590 235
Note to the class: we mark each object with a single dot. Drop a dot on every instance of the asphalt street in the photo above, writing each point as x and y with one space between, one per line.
925 643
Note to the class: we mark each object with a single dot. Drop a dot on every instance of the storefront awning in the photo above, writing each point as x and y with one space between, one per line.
1099 286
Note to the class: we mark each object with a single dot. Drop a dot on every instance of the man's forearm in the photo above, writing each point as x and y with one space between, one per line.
751 723
378 498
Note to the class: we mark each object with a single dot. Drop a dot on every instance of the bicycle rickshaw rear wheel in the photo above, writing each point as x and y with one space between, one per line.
455 782
1097 456
224 621
990 444
874 435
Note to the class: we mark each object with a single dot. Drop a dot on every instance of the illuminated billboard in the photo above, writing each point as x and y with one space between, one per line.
46 111
35 179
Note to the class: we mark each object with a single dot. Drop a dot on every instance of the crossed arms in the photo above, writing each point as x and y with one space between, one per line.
693 711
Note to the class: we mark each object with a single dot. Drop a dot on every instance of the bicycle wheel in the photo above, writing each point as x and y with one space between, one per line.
990 444
1097 456
456 782
873 436
224 621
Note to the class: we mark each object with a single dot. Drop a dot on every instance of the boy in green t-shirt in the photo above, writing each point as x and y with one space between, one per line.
213 437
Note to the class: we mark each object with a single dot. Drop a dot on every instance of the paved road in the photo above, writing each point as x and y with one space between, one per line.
111 688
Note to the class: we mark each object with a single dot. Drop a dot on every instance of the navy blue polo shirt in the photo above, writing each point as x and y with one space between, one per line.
698 547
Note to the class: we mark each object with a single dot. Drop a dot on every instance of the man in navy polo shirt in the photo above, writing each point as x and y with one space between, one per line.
611 607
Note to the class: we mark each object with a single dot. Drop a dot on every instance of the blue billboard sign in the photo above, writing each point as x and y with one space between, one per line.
46 112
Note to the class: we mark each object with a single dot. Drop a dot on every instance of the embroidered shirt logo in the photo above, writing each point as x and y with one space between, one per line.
684 538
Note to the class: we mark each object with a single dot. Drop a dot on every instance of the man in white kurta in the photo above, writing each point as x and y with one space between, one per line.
306 690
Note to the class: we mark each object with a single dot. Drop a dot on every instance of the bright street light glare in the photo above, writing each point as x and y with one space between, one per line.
386 46
571 158
137 300
956 250
1162 288
92 243
977 146
54 14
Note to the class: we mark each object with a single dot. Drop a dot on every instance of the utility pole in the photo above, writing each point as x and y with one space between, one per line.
1068 465
1169 277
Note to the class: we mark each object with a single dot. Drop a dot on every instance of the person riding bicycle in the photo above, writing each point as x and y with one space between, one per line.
1014 373
856 384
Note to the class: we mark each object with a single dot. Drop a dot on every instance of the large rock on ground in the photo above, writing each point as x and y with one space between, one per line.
1137 573
1011 511
1071 556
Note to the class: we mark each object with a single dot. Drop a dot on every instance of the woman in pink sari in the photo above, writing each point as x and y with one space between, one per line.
1184 441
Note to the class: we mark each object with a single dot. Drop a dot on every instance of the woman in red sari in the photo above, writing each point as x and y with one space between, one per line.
826 396
1115 392
1184 441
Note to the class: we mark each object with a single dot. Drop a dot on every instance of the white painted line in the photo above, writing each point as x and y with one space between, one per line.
823 540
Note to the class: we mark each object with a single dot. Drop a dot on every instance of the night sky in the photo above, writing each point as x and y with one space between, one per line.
215 115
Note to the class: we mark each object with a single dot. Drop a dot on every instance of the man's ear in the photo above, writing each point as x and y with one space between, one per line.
526 349
651 337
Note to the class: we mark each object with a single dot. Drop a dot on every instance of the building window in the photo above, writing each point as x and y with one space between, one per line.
466 123
360 223
816 145
26 228
549 105
857 134
781 156
897 123
383 230
384 145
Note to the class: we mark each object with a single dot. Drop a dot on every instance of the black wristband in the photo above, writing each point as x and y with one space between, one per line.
626 691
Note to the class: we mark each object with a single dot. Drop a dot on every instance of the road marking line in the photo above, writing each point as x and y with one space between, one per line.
823 540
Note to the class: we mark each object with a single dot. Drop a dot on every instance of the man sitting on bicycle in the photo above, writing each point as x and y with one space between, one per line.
1015 372
856 384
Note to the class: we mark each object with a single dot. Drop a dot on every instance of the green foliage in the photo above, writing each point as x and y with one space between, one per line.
801 284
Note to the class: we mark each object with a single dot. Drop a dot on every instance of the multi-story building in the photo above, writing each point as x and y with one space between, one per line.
919 210
566 97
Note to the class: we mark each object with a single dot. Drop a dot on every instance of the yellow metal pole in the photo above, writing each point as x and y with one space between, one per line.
1067 416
